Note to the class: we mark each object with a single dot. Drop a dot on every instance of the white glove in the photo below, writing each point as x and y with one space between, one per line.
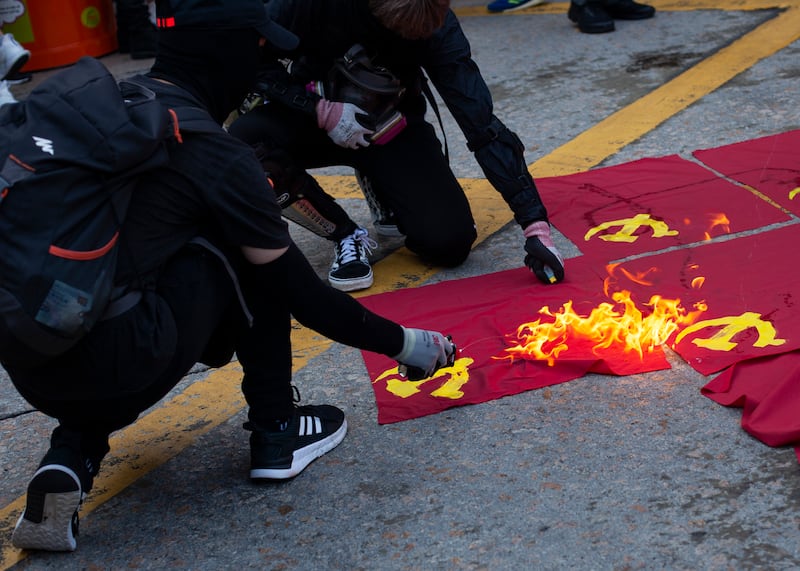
340 120
424 352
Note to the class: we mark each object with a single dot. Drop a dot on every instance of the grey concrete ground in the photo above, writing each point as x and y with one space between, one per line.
604 473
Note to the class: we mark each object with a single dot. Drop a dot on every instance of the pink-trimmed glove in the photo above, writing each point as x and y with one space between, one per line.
341 122
543 258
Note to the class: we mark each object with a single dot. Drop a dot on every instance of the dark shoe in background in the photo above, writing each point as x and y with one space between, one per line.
629 10
591 18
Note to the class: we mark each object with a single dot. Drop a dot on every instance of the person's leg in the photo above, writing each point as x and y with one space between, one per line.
302 199
105 399
383 219
412 178
136 34
590 16
285 438
597 16
287 144
628 10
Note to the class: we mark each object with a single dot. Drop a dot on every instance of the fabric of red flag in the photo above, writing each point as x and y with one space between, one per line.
771 165
650 205
482 314
767 390
749 289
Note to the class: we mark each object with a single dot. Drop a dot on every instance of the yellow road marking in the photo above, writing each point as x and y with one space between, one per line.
643 115
660 6
206 404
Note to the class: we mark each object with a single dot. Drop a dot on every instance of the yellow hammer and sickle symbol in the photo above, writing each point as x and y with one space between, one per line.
629 226
794 192
451 389
721 340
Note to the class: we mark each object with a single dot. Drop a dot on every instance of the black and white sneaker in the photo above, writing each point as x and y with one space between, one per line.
50 519
311 432
350 270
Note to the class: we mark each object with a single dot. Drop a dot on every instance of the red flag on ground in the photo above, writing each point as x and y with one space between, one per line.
771 165
747 285
483 315
767 390
650 205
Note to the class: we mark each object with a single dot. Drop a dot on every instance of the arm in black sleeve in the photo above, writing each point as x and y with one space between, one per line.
498 150
335 314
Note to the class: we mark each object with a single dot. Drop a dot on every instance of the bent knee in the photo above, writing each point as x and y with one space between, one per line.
446 250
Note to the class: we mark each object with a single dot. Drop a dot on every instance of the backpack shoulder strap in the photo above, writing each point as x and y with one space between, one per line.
186 118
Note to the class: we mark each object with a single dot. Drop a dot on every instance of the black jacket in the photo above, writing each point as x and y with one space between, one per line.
328 28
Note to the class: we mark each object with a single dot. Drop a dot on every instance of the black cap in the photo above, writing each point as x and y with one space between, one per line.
224 14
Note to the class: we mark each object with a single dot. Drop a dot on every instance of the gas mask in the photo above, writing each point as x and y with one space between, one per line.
355 79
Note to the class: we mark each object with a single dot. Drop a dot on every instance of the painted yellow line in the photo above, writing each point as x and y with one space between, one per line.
660 6
642 116
205 404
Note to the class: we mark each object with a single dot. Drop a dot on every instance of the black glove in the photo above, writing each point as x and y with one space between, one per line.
543 258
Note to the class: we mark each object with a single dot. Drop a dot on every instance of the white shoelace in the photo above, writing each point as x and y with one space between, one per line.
350 248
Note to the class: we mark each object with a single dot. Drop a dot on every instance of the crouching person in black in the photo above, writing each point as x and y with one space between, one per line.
354 93
190 309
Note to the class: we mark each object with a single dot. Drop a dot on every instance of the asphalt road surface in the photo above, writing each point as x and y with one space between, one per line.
607 473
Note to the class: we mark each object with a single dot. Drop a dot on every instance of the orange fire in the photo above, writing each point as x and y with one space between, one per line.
718 220
619 326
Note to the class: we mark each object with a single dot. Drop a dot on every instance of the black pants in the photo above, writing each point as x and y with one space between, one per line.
128 363
410 176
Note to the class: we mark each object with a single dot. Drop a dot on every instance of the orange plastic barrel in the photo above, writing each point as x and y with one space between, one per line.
59 32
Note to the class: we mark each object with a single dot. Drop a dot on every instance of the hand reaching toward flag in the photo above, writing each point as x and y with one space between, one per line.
543 258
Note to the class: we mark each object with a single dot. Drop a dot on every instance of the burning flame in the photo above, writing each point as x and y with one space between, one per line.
718 220
641 278
619 325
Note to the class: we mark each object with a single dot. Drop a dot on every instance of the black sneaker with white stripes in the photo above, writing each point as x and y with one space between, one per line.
313 431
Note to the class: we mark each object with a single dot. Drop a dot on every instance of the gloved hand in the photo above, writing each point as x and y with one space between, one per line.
543 258
341 122
424 352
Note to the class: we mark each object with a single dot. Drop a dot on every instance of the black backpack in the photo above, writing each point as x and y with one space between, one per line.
70 155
